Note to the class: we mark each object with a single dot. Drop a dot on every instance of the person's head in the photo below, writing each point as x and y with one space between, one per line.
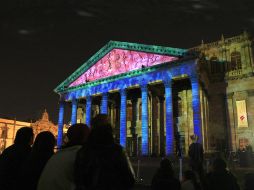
194 138
219 164
99 120
189 175
166 165
24 136
77 134
101 132
44 142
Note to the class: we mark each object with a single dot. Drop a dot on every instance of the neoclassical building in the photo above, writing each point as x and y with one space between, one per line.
157 97
138 86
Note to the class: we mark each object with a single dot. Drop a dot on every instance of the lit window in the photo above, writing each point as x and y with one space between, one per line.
235 63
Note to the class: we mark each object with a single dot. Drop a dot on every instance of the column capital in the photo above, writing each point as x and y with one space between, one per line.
123 91
194 78
88 97
143 87
167 83
74 100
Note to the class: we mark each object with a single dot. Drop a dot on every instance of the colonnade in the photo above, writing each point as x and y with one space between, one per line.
169 147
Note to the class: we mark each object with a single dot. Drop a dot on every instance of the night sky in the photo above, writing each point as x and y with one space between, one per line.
42 42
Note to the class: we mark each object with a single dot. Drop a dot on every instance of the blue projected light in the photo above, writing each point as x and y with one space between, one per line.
104 103
88 110
169 119
123 127
74 111
196 108
60 125
143 76
145 150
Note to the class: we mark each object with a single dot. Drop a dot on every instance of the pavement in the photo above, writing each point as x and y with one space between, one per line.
145 168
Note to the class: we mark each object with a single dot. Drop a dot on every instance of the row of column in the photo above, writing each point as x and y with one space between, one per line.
145 131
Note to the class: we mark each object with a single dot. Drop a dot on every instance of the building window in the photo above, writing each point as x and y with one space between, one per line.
215 66
235 63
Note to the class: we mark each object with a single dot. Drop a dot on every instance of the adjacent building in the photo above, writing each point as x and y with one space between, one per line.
9 128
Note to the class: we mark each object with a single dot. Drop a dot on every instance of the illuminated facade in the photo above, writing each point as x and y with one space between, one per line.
157 96
44 124
136 85
9 128
231 91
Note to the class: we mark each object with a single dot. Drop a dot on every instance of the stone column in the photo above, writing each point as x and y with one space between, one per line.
104 103
145 137
196 108
74 111
169 118
154 126
60 124
134 102
162 134
123 122
88 110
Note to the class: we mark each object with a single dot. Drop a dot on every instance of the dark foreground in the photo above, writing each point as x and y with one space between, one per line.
148 166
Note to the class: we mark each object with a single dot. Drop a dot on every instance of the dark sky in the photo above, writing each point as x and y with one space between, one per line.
43 41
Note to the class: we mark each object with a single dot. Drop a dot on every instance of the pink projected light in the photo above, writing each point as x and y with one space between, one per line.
120 61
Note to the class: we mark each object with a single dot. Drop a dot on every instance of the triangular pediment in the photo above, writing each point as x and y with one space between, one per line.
117 58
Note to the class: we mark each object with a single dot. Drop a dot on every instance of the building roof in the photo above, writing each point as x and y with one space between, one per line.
143 52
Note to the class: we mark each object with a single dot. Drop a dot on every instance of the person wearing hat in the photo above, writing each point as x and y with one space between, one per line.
58 172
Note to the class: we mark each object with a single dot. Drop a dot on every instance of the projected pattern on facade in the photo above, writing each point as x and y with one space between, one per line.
120 61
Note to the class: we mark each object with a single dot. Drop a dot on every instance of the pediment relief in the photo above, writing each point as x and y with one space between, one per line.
120 61
116 58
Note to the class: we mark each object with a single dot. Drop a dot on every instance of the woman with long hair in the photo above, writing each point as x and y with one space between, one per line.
42 150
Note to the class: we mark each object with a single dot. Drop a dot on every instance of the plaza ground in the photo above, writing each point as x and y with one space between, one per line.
149 165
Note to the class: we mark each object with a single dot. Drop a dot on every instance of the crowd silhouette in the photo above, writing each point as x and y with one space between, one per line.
91 159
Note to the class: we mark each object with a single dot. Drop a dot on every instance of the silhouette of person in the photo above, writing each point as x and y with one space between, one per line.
196 156
190 181
42 150
220 178
178 144
58 172
101 163
13 157
249 181
164 177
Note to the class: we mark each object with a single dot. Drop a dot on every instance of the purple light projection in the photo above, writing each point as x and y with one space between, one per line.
120 61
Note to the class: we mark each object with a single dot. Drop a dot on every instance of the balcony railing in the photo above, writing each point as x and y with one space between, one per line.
234 73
